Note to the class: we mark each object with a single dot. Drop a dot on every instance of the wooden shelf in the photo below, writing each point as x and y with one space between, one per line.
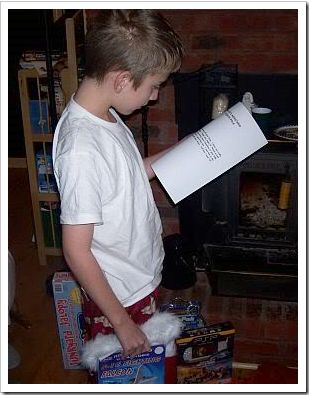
32 73
48 197
53 251
45 219
42 138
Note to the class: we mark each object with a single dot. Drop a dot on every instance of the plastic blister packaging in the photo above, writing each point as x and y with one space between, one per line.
188 311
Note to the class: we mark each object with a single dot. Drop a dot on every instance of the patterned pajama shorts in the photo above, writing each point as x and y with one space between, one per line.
96 322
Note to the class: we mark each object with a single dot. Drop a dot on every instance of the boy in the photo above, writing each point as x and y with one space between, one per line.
111 226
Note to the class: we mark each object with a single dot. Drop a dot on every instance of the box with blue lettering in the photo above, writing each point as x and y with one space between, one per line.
70 319
146 368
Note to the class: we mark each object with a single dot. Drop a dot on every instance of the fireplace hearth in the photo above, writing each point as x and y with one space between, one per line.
249 239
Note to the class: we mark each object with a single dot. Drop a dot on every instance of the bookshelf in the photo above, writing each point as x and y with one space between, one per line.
38 135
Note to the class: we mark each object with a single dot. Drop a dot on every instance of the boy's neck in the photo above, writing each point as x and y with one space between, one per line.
94 98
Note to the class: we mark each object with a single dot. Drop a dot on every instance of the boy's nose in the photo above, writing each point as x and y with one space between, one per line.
154 95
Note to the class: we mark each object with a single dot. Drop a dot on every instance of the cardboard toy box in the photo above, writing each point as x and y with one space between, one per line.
46 178
205 355
70 319
39 116
146 368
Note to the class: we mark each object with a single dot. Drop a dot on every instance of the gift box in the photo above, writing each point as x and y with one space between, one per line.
146 368
205 355
70 319
102 355
44 166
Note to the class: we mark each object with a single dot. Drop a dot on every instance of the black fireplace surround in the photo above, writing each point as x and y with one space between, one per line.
249 244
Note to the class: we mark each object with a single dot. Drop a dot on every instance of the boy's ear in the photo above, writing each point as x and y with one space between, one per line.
121 80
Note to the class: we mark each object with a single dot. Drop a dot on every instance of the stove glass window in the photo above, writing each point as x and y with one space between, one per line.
258 201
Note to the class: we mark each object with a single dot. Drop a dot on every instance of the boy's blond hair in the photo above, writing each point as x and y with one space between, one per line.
139 41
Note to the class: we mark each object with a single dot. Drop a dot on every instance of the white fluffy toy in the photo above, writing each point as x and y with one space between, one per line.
161 328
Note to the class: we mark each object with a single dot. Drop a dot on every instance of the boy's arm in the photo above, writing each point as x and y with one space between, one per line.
76 248
149 160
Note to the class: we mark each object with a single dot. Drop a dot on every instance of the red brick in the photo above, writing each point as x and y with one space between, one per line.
272 359
257 42
273 329
213 318
259 21
290 349
160 198
243 348
236 308
157 114
290 311
216 304
291 330
185 22
231 56
166 96
153 131
273 311
286 22
157 146
233 41
208 42
253 62
194 61
170 226
166 133
229 23
286 330
254 309
284 63
251 328
285 42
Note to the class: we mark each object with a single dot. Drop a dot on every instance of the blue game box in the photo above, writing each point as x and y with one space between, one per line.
146 368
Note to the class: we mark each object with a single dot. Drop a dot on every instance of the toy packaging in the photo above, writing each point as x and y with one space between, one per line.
70 319
146 368
188 311
205 355
46 178
39 116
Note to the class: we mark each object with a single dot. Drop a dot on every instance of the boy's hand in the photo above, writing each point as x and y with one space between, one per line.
132 339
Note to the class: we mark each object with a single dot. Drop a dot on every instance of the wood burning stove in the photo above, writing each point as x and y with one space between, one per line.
249 240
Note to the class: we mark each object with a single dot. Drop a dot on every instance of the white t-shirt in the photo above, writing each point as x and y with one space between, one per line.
102 180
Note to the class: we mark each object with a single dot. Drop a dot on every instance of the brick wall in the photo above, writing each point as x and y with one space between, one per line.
266 331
